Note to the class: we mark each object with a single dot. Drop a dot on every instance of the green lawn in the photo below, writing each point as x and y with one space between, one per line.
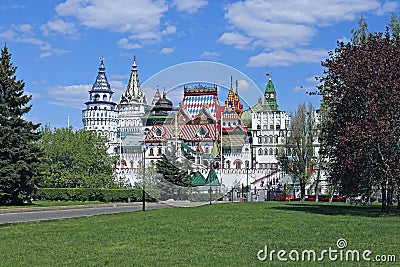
41 204
228 234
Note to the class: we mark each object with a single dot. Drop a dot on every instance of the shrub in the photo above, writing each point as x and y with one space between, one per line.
92 194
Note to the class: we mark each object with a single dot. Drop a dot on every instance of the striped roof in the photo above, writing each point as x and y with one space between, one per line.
186 132
198 179
212 177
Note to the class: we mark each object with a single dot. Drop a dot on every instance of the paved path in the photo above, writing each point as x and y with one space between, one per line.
63 212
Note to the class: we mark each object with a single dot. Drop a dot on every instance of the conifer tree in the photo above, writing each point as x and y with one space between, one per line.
19 152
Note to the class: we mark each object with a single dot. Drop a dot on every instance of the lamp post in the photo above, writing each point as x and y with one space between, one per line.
144 148
247 184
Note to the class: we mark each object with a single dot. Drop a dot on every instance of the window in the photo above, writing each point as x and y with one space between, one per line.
270 151
271 126
260 152
228 164
158 132
151 152
276 151
266 151
202 131
238 165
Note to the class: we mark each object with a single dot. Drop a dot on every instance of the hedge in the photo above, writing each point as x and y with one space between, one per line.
91 194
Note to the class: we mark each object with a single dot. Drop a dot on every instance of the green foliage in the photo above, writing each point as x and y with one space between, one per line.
91 194
394 25
76 159
228 234
19 153
175 176
303 131
360 35
361 94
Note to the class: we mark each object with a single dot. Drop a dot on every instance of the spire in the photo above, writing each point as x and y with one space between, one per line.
270 96
133 93
156 97
101 82
238 105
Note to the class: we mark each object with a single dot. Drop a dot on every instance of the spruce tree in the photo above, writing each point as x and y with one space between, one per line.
19 151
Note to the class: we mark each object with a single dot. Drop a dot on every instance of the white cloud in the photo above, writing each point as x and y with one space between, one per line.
27 28
69 96
33 94
75 96
59 26
125 44
286 58
189 6
210 55
279 25
23 33
167 50
243 85
141 19
237 40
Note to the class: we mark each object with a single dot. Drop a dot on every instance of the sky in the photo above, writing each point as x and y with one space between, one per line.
56 45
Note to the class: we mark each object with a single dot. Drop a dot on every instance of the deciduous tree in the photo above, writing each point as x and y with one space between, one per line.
76 159
361 91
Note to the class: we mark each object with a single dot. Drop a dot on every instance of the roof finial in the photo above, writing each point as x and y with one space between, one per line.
134 61
231 81
237 86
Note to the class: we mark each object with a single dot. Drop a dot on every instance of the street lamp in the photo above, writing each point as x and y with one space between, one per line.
144 148
247 184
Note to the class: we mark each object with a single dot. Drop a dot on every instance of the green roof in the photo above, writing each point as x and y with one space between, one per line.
198 179
188 148
212 177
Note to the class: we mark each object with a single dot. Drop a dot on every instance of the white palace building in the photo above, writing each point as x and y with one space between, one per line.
241 146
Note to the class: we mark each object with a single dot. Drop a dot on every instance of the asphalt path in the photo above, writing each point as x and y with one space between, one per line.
58 213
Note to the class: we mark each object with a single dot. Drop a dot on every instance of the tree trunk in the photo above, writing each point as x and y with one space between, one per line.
383 208
389 200
302 190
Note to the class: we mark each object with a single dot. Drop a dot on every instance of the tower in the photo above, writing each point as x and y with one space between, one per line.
100 114
132 104
270 96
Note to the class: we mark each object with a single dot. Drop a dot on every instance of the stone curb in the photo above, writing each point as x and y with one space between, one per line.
15 210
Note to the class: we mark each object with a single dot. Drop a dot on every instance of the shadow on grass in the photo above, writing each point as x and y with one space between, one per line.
338 209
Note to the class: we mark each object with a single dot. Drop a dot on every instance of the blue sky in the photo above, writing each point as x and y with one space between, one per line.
56 45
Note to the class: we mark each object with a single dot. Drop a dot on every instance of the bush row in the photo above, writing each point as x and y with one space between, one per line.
91 194
200 197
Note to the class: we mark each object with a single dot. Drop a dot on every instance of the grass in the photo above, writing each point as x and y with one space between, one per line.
41 203
228 234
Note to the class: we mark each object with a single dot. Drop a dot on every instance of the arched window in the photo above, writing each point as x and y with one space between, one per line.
238 165
228 164
271 151
266 151
260 152
276 151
